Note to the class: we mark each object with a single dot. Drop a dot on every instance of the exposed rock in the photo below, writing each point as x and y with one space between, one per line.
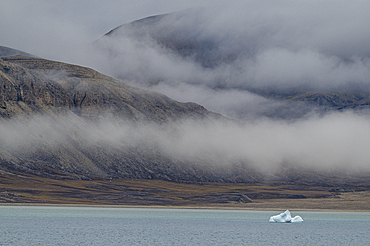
73 98
30 85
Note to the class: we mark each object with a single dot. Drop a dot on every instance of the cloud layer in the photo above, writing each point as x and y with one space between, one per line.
335 142
225 51
247 45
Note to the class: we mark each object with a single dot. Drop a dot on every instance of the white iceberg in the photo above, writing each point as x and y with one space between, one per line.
285 218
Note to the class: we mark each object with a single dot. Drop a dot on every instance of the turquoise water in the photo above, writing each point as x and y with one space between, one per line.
39 225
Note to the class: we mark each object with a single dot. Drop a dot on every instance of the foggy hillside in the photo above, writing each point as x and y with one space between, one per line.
65 121
44 86
274 61
292 75
60 120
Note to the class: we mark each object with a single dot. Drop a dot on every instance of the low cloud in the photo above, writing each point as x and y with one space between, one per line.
242 46
233 48
226 51
335 142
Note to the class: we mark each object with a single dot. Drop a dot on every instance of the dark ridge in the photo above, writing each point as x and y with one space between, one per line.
139 23
6 51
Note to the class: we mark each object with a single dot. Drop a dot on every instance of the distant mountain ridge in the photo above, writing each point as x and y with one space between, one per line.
183 42
174 32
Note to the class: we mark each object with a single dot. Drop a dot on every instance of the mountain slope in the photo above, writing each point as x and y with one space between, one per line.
232 58
6 51
66 121
38 85
175 31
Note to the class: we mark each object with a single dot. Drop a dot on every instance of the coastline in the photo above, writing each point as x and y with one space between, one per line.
184 207
343 203
31 190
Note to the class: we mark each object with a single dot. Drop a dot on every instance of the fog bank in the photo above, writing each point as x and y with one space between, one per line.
337 142
229 47
226 51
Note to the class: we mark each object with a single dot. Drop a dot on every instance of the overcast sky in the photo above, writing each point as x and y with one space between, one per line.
309 34
38 26
283 43
291 42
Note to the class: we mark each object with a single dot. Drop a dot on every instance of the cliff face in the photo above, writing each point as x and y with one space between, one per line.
24 92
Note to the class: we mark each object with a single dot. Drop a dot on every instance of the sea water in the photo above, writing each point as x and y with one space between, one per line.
47 225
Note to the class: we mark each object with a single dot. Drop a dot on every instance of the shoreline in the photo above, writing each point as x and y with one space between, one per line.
210 207
33 190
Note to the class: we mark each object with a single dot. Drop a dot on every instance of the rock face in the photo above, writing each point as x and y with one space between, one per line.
50 111
30 85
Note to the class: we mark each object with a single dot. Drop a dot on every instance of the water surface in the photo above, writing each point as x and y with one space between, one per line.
43 225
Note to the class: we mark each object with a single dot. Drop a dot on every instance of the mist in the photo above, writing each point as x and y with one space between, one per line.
238 48
335 142
244 46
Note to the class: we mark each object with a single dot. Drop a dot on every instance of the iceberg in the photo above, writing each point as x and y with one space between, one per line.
285 218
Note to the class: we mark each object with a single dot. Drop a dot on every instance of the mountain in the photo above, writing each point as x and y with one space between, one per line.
300 112
65 121
170 31
189 39
33 85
